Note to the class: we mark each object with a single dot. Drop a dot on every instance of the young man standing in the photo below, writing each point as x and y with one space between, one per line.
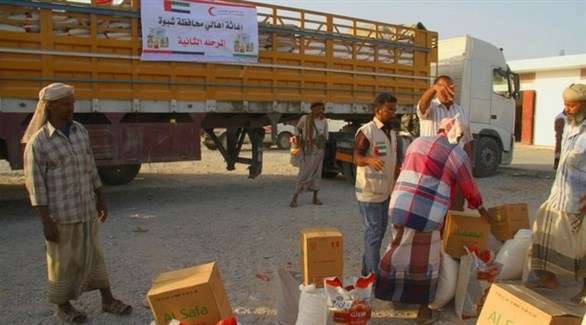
378 157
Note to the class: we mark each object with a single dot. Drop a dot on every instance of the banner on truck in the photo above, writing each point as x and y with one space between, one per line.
198 30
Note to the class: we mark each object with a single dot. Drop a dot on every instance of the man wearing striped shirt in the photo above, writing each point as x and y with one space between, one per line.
559 236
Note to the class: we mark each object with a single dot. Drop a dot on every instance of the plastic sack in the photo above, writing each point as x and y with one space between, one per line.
351 304
287 306
447 282
477 272
313 308
513 256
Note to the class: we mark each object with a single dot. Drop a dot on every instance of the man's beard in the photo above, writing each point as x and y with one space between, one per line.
578 118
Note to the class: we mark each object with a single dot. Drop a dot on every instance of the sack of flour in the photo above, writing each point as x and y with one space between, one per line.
350 305
313 308
448 279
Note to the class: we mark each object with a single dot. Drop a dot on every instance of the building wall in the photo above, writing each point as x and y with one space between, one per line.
548 86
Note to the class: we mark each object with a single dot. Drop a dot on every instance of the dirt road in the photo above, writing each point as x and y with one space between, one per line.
183 214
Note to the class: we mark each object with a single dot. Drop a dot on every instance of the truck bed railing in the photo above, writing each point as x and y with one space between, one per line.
304 56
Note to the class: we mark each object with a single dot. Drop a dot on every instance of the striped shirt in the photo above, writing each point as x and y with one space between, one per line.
436 112
570 178
60 173
432 170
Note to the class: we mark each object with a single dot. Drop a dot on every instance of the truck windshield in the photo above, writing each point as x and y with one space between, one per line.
500 83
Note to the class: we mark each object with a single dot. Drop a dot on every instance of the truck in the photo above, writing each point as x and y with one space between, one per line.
485 87
142 111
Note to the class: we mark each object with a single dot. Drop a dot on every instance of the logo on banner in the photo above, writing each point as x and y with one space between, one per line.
178 6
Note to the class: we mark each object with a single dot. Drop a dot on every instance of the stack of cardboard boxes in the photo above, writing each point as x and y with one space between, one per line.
196 295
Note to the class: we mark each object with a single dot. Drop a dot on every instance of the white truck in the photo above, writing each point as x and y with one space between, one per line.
486 88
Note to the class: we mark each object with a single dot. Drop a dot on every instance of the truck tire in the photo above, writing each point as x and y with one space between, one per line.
119 174
349 172
283 140
487 157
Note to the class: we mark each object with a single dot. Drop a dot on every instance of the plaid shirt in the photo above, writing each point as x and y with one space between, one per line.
424 190
570 179
60 173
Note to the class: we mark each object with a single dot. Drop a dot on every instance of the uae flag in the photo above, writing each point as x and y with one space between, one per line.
178 6
380 149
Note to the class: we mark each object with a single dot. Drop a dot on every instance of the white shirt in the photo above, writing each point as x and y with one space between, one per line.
436 112
570 179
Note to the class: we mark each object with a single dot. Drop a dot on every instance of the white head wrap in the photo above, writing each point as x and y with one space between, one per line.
575 93
52 92
453 127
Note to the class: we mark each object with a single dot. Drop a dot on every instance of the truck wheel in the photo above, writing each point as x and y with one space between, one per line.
118 175
487 157
283 140
349 172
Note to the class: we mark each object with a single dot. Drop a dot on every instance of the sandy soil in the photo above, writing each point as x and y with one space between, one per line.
182 214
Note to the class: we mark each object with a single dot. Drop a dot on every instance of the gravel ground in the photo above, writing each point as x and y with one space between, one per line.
176 215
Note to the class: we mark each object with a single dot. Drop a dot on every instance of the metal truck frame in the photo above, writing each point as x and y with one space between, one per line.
139 111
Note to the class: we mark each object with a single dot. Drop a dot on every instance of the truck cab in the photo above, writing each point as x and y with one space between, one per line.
486 88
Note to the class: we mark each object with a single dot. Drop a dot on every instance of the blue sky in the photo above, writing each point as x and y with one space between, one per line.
524 29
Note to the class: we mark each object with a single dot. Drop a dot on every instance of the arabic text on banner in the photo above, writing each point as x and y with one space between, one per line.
198 30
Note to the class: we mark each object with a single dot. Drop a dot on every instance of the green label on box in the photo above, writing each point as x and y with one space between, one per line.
497 319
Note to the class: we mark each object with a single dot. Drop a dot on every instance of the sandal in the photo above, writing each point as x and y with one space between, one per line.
117 307
72 316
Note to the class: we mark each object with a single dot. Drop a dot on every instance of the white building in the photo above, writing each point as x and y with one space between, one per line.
542 83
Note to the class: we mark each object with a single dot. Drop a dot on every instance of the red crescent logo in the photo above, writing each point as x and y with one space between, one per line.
211 11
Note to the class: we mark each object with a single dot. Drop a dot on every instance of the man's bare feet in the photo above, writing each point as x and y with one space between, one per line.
543 279
424 316
69 314
293 204
548 281
316 201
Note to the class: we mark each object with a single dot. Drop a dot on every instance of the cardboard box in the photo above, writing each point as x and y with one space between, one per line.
464 229
193 295
508 219
513 304
321 255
